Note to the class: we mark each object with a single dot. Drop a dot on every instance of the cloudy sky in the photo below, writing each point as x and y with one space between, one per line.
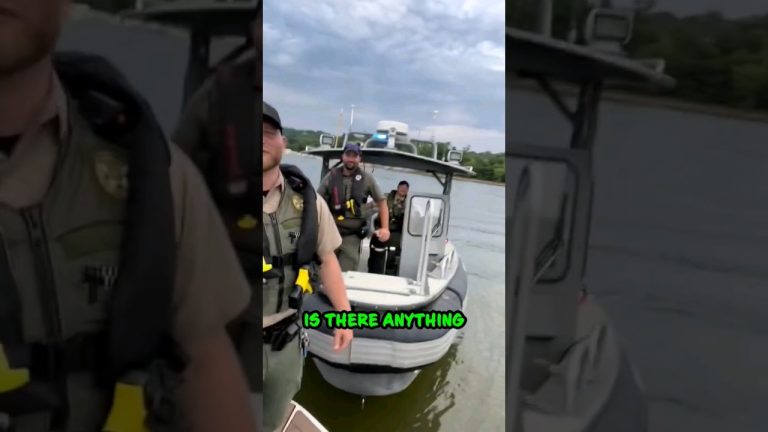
394 60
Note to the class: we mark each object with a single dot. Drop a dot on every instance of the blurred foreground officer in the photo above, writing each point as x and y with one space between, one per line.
299 233
116 275
219 130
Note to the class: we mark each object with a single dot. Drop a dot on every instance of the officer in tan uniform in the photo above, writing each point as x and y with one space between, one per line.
299 234
111 253
346 189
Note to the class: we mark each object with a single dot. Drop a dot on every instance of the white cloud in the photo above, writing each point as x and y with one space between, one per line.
484 11
491 55
276 91
283 49
347 19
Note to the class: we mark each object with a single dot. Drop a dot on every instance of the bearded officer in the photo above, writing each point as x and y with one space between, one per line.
300 234
345 190
116 274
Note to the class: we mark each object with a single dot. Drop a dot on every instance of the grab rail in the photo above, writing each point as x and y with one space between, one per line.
421 274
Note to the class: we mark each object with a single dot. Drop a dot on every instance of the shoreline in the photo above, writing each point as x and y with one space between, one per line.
661 102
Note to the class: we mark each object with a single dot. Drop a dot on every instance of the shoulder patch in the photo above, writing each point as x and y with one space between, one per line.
112 173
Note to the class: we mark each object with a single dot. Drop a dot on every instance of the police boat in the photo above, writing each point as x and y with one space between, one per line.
424 275
566 368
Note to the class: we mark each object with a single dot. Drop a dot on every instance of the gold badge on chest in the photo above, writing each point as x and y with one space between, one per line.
298 202
112 173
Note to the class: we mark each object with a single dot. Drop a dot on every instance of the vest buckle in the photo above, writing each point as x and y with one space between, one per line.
11 379
128 409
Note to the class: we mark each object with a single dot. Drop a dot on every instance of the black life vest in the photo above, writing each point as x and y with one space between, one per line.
140 312
234 173
306 248
351 220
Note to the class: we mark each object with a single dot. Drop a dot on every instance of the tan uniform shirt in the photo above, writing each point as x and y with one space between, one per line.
210 287
328 238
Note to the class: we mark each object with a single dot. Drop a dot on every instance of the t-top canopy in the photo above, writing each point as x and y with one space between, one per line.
534 55
217 18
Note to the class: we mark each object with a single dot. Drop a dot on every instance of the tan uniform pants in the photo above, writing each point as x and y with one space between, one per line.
349 252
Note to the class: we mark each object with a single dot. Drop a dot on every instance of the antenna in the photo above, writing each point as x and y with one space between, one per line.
351 120
434 126
340 127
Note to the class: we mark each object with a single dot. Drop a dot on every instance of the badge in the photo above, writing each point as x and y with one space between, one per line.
358 177
112 173
247 222
298 202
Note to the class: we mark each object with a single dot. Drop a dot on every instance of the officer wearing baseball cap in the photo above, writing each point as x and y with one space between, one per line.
270 114
300 238
346 189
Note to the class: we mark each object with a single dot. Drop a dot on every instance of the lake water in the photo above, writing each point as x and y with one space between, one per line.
465 390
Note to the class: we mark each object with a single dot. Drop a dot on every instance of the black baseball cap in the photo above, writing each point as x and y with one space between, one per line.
355 148
271 114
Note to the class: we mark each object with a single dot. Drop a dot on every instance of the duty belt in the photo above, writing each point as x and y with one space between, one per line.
282 332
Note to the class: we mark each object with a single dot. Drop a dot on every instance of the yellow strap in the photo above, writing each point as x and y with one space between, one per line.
128 411
302 280
11 379
341 218
264 266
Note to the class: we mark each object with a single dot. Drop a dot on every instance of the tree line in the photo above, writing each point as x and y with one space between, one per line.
714 59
